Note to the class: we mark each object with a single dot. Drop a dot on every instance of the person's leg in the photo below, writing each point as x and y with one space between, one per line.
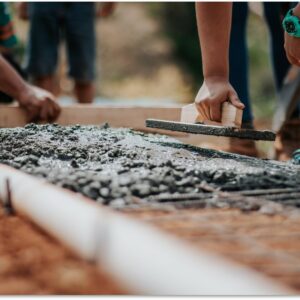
238 57
84 91
81 47
288 138
274 16
48 83
238 66
42 52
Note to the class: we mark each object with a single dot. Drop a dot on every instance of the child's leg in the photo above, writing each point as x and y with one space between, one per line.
81 47
238 57
42 53
272 11
84 91
48 83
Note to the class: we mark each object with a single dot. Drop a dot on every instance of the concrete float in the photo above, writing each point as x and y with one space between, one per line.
144 259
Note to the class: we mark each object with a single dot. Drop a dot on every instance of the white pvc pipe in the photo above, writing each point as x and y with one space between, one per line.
144 259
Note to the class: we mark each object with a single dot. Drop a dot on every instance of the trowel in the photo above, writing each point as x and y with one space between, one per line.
230 126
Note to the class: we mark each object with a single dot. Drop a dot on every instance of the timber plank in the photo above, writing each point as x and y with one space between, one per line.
90 114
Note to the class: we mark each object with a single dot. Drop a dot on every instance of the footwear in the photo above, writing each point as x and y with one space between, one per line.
287 140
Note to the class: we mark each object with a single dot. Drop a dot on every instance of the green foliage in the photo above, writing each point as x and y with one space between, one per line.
179 24
262 90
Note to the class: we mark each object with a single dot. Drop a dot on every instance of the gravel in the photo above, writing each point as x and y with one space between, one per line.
115 166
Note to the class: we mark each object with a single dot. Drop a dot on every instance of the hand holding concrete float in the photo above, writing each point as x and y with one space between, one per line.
192 121
212 94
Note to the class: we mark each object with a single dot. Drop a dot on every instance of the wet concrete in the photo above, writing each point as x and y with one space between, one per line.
120 166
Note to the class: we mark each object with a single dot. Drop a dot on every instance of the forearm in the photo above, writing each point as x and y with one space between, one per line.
11 82
214 25
296 10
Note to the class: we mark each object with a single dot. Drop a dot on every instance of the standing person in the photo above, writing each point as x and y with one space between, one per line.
74 22
274 13
217 87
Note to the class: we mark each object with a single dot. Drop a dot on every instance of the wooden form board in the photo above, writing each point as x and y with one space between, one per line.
88 114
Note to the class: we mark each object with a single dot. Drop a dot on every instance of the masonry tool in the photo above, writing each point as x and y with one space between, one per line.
230 126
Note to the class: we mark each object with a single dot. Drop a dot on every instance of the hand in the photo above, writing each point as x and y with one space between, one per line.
292 49
23 11
39 104
106 9
213 92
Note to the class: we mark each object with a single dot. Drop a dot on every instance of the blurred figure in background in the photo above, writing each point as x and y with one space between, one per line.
274 13
50 22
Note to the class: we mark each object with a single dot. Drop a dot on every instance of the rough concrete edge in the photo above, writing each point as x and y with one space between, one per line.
143 258
211 130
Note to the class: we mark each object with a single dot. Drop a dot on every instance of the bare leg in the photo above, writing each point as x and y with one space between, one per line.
84 91
48 83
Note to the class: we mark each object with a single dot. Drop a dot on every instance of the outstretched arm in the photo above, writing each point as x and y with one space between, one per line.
38 103
214 25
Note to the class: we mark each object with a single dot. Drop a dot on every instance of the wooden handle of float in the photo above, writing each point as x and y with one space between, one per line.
231 116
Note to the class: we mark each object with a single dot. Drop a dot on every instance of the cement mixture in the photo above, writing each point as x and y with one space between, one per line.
120 167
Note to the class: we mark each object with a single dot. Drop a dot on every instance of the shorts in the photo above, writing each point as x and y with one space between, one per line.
52 22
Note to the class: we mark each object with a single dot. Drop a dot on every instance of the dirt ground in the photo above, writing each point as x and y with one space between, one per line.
31 262
267 244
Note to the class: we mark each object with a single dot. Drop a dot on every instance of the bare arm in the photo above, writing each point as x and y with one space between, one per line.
292 44
38 103
10 82
214 25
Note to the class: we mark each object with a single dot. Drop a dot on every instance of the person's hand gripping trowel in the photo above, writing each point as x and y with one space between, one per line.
213 22
217 105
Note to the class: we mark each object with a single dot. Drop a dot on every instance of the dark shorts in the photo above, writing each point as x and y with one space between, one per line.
52 22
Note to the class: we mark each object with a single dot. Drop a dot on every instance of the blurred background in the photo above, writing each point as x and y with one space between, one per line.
151 50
